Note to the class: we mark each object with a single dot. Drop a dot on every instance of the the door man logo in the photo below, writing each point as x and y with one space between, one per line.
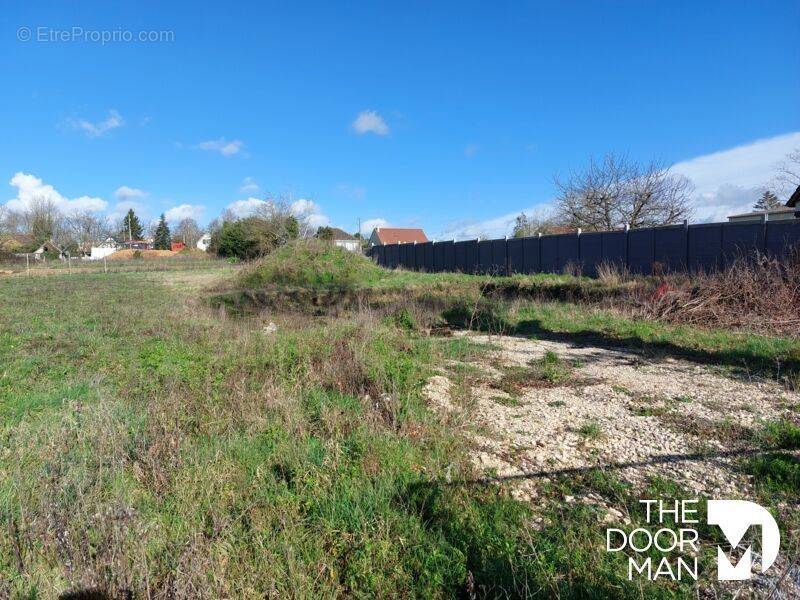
735 517
679 541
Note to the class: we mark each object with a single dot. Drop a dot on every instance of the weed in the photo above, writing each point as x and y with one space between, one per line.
591 430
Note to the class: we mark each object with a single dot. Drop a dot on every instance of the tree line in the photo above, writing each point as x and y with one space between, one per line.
42 221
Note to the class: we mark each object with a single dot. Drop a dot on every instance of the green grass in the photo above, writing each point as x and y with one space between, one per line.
151 445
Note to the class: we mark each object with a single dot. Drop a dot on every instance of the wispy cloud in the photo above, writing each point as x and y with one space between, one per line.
352 192
249 186
100 128
369 121
125 193
222 146
471 150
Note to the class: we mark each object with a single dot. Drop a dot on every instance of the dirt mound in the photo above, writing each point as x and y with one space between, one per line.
141 254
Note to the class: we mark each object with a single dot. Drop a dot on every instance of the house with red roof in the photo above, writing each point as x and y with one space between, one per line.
382 236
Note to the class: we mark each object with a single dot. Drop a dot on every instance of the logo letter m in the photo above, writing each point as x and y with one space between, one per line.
735 517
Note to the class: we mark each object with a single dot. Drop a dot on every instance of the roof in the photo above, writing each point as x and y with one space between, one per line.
794 198
757 213
340 234
396 235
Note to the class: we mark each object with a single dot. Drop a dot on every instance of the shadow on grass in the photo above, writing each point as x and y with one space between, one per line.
742 361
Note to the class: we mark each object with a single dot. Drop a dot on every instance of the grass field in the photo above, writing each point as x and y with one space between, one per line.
153 445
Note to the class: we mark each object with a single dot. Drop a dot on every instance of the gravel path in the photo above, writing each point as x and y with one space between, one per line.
625 410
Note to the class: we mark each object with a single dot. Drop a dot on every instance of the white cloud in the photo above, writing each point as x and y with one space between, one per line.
370 224
369 121
176 214
245 208
730 181
222 146
125 193
249 186
101 128
30 188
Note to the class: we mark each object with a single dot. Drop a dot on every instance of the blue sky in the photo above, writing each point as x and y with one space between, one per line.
450 116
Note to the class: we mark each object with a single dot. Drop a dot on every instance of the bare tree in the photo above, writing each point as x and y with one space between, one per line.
85 227
188 232
617 192
281 222
43 220
788 177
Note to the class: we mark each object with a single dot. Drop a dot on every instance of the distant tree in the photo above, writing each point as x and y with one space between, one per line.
188 232
530 225
163 239
131 228
767 201
325 233
617 192
788 178
85 227
43 220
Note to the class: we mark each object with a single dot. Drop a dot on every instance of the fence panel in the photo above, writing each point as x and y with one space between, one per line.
516 256
427 256
531 255
568 251
669 253
740 239
419 257
484 256
615 248
705 247
591 251
640 250
466 256
549 253
780 236
407 256
438 257
393 251
499 257
449 262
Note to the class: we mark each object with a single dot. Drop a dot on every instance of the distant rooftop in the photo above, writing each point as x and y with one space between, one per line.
397 235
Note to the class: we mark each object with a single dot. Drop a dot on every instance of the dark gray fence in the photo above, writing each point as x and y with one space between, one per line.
706 246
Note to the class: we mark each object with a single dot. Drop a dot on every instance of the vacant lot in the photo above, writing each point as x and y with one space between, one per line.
177 434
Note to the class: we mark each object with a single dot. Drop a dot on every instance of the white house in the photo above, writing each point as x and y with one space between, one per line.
101 250
341 238
204 242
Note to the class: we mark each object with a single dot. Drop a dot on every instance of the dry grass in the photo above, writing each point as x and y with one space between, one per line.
757 293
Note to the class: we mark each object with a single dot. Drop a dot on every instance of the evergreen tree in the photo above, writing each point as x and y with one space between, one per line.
163 239
768 201
131 227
